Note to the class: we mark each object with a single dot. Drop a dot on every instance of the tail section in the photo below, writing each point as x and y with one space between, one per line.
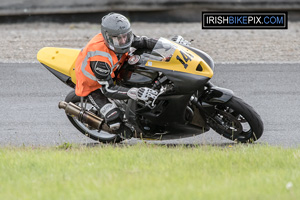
60 62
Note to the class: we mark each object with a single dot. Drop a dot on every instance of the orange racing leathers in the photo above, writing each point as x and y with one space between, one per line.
97 64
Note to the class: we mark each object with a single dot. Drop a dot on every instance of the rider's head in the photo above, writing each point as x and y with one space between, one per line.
117 33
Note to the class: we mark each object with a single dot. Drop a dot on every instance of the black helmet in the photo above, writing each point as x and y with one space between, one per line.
117 33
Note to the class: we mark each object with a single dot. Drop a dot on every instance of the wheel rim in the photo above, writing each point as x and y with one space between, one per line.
92 132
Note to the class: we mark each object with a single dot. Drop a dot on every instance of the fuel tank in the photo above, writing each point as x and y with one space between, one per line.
133 76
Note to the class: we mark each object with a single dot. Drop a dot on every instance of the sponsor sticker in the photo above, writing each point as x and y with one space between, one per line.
133 59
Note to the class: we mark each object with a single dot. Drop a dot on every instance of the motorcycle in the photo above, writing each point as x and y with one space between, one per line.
187 104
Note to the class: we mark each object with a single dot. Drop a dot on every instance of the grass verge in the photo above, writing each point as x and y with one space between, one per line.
150 172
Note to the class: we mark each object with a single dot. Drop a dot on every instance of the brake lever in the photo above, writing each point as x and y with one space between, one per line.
162 90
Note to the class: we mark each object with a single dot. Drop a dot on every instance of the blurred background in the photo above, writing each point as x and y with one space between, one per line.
135 10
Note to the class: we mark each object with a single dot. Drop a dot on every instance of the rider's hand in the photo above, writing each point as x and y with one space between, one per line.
143 94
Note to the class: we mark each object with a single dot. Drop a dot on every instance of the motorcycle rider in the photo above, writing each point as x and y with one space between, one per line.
101 58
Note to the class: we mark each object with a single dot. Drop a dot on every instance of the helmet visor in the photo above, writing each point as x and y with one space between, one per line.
122 40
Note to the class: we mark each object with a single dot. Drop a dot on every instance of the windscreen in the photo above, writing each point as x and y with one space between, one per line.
162 51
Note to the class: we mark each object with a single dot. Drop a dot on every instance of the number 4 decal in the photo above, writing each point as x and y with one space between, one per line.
186 59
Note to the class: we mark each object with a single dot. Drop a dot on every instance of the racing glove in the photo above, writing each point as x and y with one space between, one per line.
144 94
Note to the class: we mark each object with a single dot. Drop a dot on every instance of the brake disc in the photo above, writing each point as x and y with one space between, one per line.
228 122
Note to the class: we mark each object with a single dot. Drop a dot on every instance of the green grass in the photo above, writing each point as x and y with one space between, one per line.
150 172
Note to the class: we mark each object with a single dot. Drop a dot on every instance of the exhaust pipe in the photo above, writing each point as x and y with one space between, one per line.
83 116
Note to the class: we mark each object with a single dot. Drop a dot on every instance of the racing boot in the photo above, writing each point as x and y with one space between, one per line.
113 118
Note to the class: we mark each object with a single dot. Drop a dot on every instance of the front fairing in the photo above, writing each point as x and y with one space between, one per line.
168 55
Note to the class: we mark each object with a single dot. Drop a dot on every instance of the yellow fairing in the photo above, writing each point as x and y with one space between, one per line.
59 59
190 66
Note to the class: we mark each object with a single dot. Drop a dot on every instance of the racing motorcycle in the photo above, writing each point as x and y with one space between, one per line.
187 103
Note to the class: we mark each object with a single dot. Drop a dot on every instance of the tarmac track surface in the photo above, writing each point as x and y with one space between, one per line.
30 95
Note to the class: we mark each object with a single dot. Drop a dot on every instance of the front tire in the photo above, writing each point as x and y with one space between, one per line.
237 121
101 136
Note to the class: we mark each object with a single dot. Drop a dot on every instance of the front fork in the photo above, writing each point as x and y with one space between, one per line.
209 98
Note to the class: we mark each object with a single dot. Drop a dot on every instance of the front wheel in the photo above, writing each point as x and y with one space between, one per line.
85 129
236 120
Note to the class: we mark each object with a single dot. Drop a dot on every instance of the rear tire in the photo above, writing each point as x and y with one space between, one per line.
237 121
101 136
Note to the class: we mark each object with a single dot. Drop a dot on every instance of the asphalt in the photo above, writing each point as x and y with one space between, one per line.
30 95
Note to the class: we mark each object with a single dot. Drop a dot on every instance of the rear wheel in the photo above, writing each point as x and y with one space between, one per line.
236 120
101 136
